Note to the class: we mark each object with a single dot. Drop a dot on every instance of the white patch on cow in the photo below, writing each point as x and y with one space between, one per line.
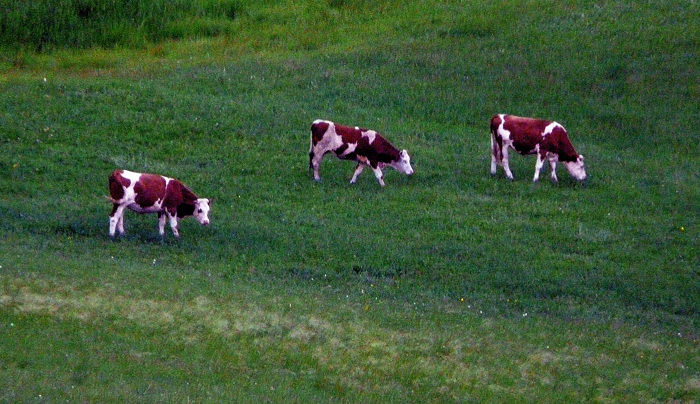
330 140
129 193
550 128
351 148
371 135
505 134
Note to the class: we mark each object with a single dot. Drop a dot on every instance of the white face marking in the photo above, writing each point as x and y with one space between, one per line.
577 168
404 164
201 211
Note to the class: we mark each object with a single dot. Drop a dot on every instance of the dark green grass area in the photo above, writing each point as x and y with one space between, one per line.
52 24
449 285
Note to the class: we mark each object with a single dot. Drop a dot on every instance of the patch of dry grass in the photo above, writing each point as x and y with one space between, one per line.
469 358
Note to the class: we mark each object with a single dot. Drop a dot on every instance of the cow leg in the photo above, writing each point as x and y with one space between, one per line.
538 167
358 170
379 174
553 167
120 223
494 153
161 224
504 162
173 224
116 220
315 164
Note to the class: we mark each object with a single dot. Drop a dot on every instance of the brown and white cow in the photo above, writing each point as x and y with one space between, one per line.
547 139
365 146
152 193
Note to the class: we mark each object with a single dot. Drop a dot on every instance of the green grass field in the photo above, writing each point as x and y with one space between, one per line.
446 286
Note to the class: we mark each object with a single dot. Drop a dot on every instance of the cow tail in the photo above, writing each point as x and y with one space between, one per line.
493 141
111 200
496 148
311 147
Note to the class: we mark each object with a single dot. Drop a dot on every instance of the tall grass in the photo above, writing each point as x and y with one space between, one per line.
51 24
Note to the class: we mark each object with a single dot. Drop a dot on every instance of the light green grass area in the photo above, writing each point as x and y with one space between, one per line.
446 286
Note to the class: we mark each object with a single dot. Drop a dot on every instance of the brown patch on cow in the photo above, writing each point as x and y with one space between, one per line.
341 149
380 151
318 129
526 133
559 140
179 200
495 122
184 210
149 189
117 183
348 134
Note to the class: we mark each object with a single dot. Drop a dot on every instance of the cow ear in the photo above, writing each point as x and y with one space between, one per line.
210 201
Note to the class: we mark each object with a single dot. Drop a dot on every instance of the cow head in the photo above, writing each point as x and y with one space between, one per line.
201 211
576 168
403 164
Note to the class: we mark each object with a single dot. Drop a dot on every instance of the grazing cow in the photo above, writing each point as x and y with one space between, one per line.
547 139
365 146
151 193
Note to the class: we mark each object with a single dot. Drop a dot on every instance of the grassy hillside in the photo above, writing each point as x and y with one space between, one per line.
449 285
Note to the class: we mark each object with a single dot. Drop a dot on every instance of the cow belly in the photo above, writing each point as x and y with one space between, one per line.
526 148
148 209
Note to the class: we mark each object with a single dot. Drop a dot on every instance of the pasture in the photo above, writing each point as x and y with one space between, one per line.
447 286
